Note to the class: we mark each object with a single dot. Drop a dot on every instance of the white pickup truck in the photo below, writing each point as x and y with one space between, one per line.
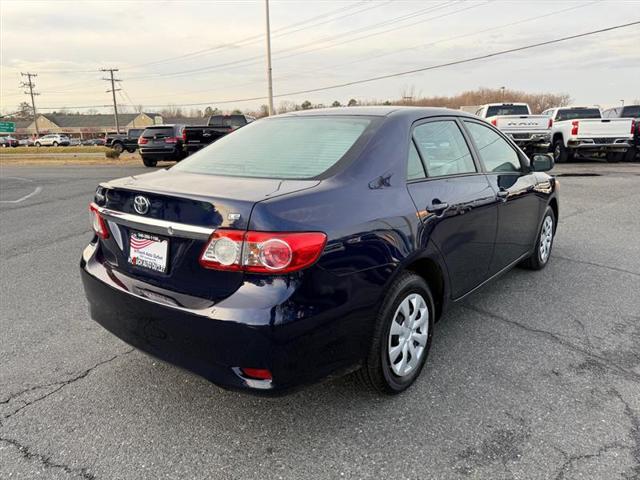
583 130
530 132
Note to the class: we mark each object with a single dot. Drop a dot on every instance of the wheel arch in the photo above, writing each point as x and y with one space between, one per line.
553 203
432 273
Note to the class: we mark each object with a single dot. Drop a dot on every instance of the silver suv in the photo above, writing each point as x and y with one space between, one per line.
52 140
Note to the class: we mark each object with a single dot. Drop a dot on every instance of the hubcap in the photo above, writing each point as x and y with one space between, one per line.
408 335
546 237
556 151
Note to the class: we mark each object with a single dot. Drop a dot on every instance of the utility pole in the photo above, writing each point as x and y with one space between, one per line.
113 91
622 102
29 83
269 79
502 89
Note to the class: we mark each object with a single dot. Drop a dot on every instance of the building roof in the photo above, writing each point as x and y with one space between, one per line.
185 120
98 120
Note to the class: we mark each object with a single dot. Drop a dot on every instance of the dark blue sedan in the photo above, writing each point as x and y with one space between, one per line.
315 243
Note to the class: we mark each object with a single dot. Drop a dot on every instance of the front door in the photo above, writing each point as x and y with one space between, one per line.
514 186
454 200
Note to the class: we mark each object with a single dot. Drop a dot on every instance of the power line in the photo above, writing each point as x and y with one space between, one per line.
397 74
113 92
257 38
330 40
31 86
444 40
424 69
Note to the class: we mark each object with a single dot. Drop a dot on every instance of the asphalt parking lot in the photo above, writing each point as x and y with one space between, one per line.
536 376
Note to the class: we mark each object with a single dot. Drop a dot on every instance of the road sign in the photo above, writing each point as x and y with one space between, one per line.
7 127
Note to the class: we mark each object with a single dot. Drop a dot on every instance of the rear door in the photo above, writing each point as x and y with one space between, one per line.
455 202
519 207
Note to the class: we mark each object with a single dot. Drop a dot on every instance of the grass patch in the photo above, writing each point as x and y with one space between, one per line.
32 150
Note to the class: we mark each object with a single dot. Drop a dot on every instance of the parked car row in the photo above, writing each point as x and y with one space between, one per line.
49 140
569 131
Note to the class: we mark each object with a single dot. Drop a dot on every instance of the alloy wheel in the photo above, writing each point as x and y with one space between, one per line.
408 335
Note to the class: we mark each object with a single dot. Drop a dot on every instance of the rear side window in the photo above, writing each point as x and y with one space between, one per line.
158 132
507 110
443 148
415 169
495 152
286 147
577 113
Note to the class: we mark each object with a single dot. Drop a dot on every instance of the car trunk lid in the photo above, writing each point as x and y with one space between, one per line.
181 210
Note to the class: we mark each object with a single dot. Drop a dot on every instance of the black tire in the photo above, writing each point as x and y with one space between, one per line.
615 157
131 150
38 144
54 144
536 261
560 152
376 372
149 163
630 155
117 147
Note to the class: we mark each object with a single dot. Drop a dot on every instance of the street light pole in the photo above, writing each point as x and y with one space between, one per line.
269 79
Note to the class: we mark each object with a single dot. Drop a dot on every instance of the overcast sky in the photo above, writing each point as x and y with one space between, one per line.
184 52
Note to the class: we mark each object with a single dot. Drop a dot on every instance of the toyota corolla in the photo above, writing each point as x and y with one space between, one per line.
315 243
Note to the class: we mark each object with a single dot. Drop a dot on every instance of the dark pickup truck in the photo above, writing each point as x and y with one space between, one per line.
121 141
196 137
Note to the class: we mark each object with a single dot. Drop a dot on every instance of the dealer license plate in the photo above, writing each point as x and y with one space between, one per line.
148 251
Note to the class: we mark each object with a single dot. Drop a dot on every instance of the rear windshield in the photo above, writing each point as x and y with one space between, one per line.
578 113
631 111
227 121
159 132
288 147
494 110
135 132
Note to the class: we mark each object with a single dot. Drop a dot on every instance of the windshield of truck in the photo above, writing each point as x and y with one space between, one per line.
283 148
227 121
495 110
578 113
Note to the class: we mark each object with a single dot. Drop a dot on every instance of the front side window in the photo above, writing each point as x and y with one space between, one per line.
495 152
285 148
443 148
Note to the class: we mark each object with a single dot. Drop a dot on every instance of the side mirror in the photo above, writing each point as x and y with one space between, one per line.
542 162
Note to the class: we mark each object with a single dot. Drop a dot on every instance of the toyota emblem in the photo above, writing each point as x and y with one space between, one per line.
141 204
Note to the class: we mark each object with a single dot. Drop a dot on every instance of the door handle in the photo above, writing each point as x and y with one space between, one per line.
438 207
502 194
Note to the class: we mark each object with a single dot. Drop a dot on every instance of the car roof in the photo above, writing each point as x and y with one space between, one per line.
380 111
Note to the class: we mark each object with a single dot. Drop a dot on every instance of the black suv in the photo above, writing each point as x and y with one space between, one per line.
161 142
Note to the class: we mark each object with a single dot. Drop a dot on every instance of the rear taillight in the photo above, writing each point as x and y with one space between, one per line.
262 252
494 122
633 127
550 123
184 134
97 222
171 140
574 127
143 141
257 373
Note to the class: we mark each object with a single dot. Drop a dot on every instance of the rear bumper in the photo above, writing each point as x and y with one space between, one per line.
155 153
531 139
586 144
259 326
